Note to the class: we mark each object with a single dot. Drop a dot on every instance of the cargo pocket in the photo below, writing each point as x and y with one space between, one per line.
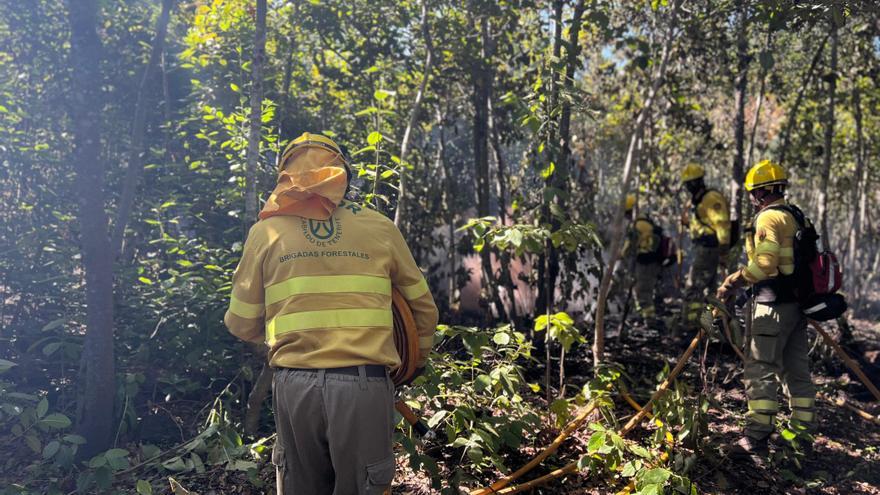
379 476
280 462
765 334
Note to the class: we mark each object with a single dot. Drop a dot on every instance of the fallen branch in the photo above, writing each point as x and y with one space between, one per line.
848 361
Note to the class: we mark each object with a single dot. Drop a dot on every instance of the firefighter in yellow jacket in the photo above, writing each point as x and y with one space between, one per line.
709 227
314 282
778 347
642 244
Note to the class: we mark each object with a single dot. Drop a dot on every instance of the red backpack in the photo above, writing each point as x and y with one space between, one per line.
817 275
827 275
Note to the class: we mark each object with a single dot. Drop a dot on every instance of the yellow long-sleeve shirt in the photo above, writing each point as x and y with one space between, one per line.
642 236
319 291
711 218
770 247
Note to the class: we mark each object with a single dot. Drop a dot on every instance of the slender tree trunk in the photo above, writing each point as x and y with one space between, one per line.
284 97
549 263
414 115
138 129
447 207
166 106
827 152
562 177
857 190
618 225
742 78
505 278
792 113
256 114
264 380
98 384
481 75
759 103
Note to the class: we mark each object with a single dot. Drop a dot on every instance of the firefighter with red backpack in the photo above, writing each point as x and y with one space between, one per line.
651 251
782 266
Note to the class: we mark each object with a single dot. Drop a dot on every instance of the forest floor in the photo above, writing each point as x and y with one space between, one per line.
846 453
845 459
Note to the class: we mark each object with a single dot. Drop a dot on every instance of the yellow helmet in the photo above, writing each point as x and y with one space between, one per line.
630 202
765 173
692 172
306 140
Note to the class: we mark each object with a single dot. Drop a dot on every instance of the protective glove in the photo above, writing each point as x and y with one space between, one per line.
733 282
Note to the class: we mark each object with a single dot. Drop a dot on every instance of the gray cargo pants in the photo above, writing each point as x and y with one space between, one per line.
333 433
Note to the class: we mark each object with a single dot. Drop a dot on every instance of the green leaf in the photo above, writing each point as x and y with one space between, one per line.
656 476
116 453
174 464
34 443
50 348
501 338
373 138
383 94
56 421
788 435
6 365
42 408
234 87
482 382
74 439
145 280
52 325
144 487
547 172
51 449
97 461
597 440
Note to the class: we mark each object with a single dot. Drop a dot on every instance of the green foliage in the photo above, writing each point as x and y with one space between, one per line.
560 327
481 372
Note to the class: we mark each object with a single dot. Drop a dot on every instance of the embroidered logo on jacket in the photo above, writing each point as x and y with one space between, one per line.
322 233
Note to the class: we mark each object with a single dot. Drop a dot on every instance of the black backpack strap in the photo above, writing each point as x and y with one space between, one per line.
792 210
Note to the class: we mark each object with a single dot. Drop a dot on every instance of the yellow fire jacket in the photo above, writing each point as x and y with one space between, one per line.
770 245
319 291
711 218
642 236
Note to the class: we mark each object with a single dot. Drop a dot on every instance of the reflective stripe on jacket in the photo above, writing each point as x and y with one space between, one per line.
319 291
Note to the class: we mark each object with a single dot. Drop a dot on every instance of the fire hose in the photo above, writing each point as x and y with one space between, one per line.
406 340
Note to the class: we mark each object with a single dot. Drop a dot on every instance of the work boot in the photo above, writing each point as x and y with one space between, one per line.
748 448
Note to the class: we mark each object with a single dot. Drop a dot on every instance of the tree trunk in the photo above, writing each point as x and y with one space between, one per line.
618 225
561 177
504 258
548 268
256 124
857 189
138 129
759 103
827 151
447 207
98 383
413 117
742 78
481 75
792 113
261 389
